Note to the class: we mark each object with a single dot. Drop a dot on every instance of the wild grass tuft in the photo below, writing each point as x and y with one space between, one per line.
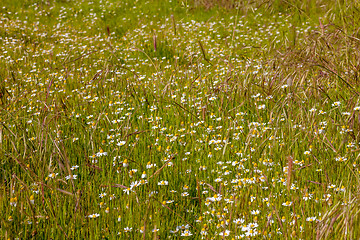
193 119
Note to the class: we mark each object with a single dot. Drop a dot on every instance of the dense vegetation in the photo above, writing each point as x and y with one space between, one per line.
196 119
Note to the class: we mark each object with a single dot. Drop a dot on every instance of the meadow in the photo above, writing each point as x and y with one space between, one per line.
179 119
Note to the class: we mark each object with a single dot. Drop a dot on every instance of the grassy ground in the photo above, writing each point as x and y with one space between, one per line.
196 119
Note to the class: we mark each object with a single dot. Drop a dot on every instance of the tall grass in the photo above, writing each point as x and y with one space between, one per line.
179 119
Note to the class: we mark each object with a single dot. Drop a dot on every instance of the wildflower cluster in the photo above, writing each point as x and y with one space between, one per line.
157 126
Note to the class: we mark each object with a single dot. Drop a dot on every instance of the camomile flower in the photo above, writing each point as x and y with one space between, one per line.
261 106
53 175
225 233
149 165
127 190
250 227
202 168
132 172
71 177
32 201
251 233
218 180
125 163
212 98
95 215
112 196
203 232
335 104
311 219
255 212
74 167
163 183
186 233
340 159
239 221
216 197
121 143
101 153
153 108
287 203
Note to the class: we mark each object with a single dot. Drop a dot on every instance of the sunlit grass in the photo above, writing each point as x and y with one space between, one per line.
179 119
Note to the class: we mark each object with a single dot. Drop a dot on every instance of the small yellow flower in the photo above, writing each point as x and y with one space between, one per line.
125 163
13 201
32 199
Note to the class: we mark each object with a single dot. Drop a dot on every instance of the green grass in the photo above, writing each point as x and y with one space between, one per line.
161 119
